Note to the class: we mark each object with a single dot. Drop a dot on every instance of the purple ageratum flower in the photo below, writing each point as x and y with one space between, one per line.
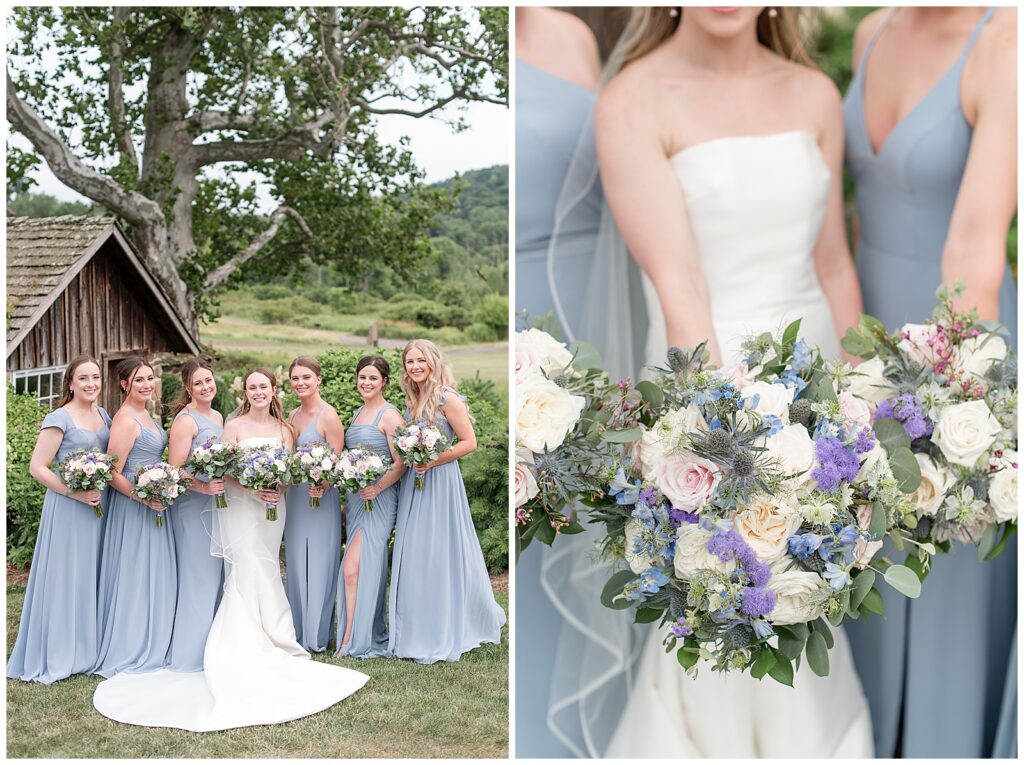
835 464
906 409
758 571
679 517
757 601
681 628
865 441
647 496
724 545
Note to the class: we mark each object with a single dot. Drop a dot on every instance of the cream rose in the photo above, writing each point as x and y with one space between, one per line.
692 553
864 551
552 356
965 431
766 523
652 452
793 591
772 399
546 414
686 479
1002 490
921 344
854 408
868 382
977 354
936 480
526 484
527 364
739 374
793 448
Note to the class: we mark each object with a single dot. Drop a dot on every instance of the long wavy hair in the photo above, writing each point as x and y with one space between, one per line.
424 403
126 371
66 394
276 410
188 369
648 28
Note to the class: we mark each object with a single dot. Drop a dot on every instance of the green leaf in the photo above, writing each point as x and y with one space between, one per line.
792 639
574 527
782 669
856 344
873 602
904 580
622 436
905 469
820 627
872 326
879 522
890 434
817 654
687 657
914 564
844 605
791 332
988 542
645 615
613 588
652 394
765 661
545 531
862 584
1008 531
585 356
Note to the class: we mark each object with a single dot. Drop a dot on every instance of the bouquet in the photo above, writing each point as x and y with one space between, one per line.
946 391
264 467
312 464
417 443
161 483
358 468
214 459
88 470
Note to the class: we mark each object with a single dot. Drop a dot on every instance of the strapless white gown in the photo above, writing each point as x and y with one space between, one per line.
755 206
255 673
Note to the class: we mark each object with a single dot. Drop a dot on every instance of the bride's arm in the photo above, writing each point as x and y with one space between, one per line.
832 260
647 201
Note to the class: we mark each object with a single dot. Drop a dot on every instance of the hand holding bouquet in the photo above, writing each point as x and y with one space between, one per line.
358 468
313 464
88 470
214 459
418 443
264 467
160 483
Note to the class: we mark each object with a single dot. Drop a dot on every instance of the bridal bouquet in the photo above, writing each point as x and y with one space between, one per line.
748 504
945 390
264 467
214 459
161 483
418 443
358 468
88 470
313 463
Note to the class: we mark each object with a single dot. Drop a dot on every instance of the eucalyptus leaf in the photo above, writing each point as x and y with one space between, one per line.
844 602
820 627
1008 531
613 588
645 615
914 564
890 434
652 394
988 542
817 654
879 522
873 602
792 645
862 584
857 345
904 580
687 657
782 669
585 356
763 663
622 436
905 469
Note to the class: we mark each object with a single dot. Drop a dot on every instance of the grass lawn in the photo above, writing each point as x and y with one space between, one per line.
406 710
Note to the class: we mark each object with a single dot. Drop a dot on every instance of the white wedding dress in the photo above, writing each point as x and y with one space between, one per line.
755 206
255 673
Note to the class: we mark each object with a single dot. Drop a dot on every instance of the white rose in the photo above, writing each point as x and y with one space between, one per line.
89 468
773 399
854 408
692 553
976 354
793 591
739 374
546 414
172 491
793 448
156 474
552 356
1002 490
766 524
921 343
142 480
868 382
280 466
965 431
936 480
687 480
652 452
637 563
526 484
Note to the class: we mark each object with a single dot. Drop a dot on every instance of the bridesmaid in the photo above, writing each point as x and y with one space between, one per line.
138 574
57 637
931 144
200 574
312 536
362 626
441 602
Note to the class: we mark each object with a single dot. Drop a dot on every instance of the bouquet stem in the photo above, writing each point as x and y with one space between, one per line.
160 519
271 512
314 502
368 505
221 501
97 510
419 481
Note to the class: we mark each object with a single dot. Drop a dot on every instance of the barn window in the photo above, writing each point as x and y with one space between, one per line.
42 382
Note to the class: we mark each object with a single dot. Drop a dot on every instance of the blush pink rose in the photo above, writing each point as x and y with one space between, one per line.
686 479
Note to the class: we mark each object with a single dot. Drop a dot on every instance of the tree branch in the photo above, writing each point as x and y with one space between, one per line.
130 205
291 144
222 273
115 91
366 106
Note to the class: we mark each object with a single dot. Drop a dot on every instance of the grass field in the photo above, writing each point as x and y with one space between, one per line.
457 710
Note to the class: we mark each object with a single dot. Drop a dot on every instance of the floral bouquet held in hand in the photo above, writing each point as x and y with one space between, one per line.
264 467
418 443
214 459
358 468
945 391
88 470
313 464
745 505
160 483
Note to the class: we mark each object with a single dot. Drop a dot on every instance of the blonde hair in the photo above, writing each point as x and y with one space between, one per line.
276 410
423 404
648 28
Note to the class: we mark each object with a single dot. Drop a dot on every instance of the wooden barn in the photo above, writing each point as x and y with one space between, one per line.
75 285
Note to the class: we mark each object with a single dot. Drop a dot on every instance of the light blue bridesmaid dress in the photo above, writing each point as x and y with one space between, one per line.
138 575
58 636
200 575
312 551
441 603
935 669
369 636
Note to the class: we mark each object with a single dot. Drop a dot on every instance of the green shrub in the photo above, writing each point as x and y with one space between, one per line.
481 333
341 300
445 336
286 310
420 311
338 388
271 292
170 388
24 493
493 312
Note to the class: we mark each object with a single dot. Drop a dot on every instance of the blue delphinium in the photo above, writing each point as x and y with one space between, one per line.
652 580
801 356
836 464
836 577
626 492
802 545
773 423
791 379
907 410
837 547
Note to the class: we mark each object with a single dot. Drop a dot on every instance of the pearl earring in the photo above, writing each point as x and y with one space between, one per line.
673 12
773 13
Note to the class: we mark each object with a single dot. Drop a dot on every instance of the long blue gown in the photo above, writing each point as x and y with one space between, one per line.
58 635
312 551
369 636
138 575
200 574
441 603
934 669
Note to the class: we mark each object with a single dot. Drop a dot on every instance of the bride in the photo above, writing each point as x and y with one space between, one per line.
720 158
255 673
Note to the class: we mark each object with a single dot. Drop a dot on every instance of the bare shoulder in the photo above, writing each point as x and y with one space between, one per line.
576 33
866 30
627 97
812 92
997 44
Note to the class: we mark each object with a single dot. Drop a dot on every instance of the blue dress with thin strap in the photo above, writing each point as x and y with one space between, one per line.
58 635
312 551
200 574
138 575
369 636
934 669
441 603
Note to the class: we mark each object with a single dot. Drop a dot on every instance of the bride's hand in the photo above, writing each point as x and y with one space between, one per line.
216 486
269 496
